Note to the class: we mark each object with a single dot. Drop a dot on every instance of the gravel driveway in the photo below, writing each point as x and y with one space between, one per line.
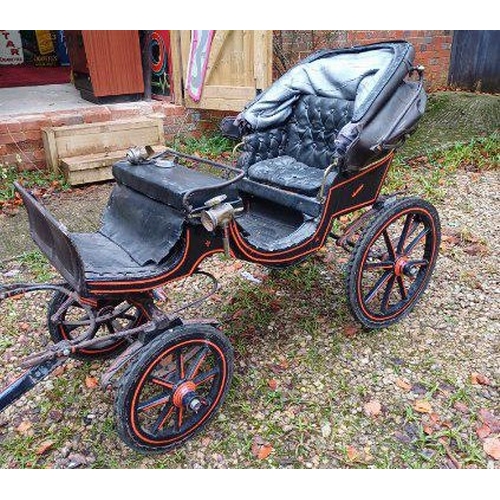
311 388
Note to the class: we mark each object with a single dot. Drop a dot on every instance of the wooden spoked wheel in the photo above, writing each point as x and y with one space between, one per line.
73 322
392 262
174 388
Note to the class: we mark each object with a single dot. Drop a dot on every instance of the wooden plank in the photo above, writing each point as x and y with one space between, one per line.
93 168
90 161
50 147
218 42
82 128
80 177
226 98
77 140
262 59
177 71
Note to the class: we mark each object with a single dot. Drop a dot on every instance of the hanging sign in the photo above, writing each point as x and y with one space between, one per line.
199 52
11 47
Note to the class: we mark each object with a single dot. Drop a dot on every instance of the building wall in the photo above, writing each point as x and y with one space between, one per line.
21 142
432 47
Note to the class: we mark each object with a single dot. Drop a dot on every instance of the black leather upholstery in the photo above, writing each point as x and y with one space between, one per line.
295 155
313 127
288 173
168 182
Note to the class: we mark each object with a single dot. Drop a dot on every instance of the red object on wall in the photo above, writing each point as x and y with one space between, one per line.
161 64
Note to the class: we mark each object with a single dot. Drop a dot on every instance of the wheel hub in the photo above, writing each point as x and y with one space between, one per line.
185 394
399 266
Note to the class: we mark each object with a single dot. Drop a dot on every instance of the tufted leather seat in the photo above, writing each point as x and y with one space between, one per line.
294 156
288 173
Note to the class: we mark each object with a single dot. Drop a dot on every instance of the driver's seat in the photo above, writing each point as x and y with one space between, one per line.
295 155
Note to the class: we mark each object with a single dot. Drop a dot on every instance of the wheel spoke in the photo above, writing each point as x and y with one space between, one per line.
205 376
377 287
417 240
197 362
387 294
129 317
163 418
390 246
180 416
162 382
404 233
110 327
379 265
402 288
163 398
180 365
418 263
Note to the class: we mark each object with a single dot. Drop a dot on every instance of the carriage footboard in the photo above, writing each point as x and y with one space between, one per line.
54 241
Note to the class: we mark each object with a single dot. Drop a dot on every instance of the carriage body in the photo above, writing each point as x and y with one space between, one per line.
316 145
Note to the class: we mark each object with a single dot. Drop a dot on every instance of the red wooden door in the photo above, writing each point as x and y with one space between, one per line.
114 61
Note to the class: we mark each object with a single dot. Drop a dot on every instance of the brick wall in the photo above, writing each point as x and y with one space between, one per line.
432 47
21 142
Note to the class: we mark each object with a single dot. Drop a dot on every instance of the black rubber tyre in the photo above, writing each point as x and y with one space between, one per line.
186 364
132 316
392 262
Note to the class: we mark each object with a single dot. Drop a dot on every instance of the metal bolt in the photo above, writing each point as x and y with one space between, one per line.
195 405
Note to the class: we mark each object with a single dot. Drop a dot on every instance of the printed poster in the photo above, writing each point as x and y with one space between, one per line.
11 47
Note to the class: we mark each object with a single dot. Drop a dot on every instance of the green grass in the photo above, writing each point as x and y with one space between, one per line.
29 178
206 146
430 175
38 266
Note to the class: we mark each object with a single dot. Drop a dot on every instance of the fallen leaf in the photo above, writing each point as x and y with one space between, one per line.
479 379
59 371
483 431
403 384
273 384
476 249
351 330
24 326
24 427
492 447
352 453
428 429
434 418
260 448
490 420
91 382
461 407
275 305
238 314
372 408
423 406
44 447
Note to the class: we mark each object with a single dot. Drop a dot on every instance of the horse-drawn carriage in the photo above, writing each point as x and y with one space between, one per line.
315 145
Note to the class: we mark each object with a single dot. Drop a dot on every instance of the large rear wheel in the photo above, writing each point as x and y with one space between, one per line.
392 262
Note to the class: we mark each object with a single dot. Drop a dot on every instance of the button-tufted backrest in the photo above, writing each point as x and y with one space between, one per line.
313 127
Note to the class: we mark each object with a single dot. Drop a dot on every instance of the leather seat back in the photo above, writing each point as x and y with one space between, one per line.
312 128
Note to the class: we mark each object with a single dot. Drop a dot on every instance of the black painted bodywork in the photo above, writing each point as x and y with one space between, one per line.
321 157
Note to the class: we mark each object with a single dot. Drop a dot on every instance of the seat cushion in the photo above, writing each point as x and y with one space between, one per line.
287 173
168 182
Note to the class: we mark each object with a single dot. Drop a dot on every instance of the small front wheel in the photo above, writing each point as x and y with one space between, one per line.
392 262
174 388
74 322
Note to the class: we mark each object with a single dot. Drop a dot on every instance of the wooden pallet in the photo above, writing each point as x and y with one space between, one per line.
85 153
